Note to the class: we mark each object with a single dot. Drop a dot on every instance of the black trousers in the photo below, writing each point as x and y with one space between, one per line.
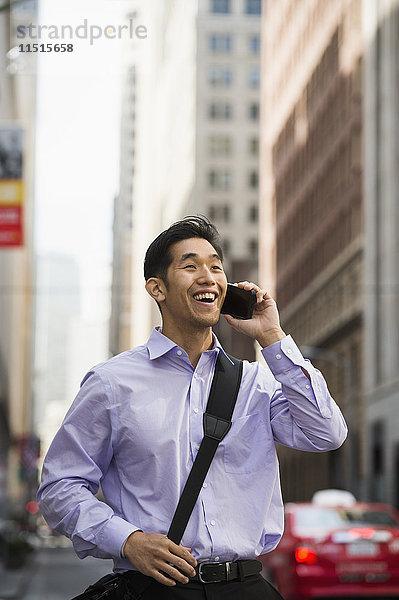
251 588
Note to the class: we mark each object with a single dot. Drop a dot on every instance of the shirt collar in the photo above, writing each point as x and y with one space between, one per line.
158 344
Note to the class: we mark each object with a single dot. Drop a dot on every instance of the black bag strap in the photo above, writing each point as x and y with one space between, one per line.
217 422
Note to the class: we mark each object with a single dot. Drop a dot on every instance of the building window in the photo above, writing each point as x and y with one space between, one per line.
220 6
226 246
220 111
253 248
219 212
254 77
254 111
220 42
253 7
254 44
220 76
220 145
253 213
219 179
253 179
254 146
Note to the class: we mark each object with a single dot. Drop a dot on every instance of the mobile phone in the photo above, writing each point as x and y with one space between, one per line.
239 303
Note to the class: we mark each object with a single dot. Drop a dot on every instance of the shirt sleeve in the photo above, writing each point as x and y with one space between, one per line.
74 465
303 414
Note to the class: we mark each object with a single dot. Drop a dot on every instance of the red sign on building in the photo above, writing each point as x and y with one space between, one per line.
11 187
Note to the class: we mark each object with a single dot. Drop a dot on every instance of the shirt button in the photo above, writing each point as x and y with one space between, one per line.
289 351
204 485
217 558
278 356
213 522
197 447
196 375
196 410
308 387
179 352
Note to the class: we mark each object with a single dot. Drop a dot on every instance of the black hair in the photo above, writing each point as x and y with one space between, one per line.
158 256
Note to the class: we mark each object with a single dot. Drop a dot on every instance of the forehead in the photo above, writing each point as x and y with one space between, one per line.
197 246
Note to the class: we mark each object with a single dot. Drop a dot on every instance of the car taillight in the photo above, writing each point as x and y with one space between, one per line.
305 555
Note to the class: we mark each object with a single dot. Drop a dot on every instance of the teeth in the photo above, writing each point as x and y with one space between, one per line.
205 296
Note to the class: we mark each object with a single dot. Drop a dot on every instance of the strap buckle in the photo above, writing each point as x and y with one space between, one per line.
215 427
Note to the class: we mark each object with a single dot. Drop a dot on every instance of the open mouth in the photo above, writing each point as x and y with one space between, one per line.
205 297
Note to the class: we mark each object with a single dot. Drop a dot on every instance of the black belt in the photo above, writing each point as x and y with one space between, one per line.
213 572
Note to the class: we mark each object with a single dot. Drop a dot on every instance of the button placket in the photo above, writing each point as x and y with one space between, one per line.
211 522
195 407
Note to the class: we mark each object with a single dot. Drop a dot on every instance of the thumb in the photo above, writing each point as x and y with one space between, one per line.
236 323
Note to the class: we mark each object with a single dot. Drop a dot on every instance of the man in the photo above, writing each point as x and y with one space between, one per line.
136 425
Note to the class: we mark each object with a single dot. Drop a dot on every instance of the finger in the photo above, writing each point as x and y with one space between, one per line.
170 572
183 565
183 552
188 556
232 321
244 284
162 579
248 285
261 295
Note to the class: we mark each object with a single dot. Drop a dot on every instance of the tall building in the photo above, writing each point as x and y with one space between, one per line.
227 138
195 130
121 292
311 211
381 269
157 153
17 115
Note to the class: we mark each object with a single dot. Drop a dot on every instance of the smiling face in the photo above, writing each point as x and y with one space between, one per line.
195 286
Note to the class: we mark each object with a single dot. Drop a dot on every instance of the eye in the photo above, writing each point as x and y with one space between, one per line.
217 267
189 267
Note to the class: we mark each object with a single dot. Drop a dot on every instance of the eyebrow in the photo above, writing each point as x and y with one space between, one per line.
194 255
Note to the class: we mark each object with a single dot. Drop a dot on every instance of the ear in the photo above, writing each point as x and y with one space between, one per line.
156 288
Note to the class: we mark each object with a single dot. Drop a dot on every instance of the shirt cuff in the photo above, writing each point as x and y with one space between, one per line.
114 534
122 553
283 356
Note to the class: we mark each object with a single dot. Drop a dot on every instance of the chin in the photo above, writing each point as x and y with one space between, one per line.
208 321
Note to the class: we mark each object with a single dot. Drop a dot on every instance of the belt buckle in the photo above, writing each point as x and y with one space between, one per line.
213 564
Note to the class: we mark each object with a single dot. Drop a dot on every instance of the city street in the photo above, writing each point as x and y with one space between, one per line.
54 574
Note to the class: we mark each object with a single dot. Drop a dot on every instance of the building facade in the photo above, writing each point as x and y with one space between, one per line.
312 206
381 284
18 446
157 154
227 139
121 292
197 136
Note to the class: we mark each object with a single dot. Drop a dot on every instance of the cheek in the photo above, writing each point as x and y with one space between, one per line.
223 284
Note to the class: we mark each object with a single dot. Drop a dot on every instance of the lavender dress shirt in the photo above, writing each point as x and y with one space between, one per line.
135 428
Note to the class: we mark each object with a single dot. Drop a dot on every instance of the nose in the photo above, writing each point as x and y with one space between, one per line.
206 276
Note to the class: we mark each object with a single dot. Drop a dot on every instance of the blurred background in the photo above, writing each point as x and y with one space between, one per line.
277 119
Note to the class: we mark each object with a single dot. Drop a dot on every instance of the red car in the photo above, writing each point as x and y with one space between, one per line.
332 550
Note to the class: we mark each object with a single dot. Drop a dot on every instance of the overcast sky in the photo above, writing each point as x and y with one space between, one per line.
78 140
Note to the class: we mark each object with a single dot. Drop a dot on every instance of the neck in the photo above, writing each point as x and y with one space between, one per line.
194 342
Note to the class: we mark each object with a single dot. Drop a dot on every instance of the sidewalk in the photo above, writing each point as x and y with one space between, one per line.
13 582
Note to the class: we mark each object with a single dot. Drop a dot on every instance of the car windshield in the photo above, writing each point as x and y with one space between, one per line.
312 520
